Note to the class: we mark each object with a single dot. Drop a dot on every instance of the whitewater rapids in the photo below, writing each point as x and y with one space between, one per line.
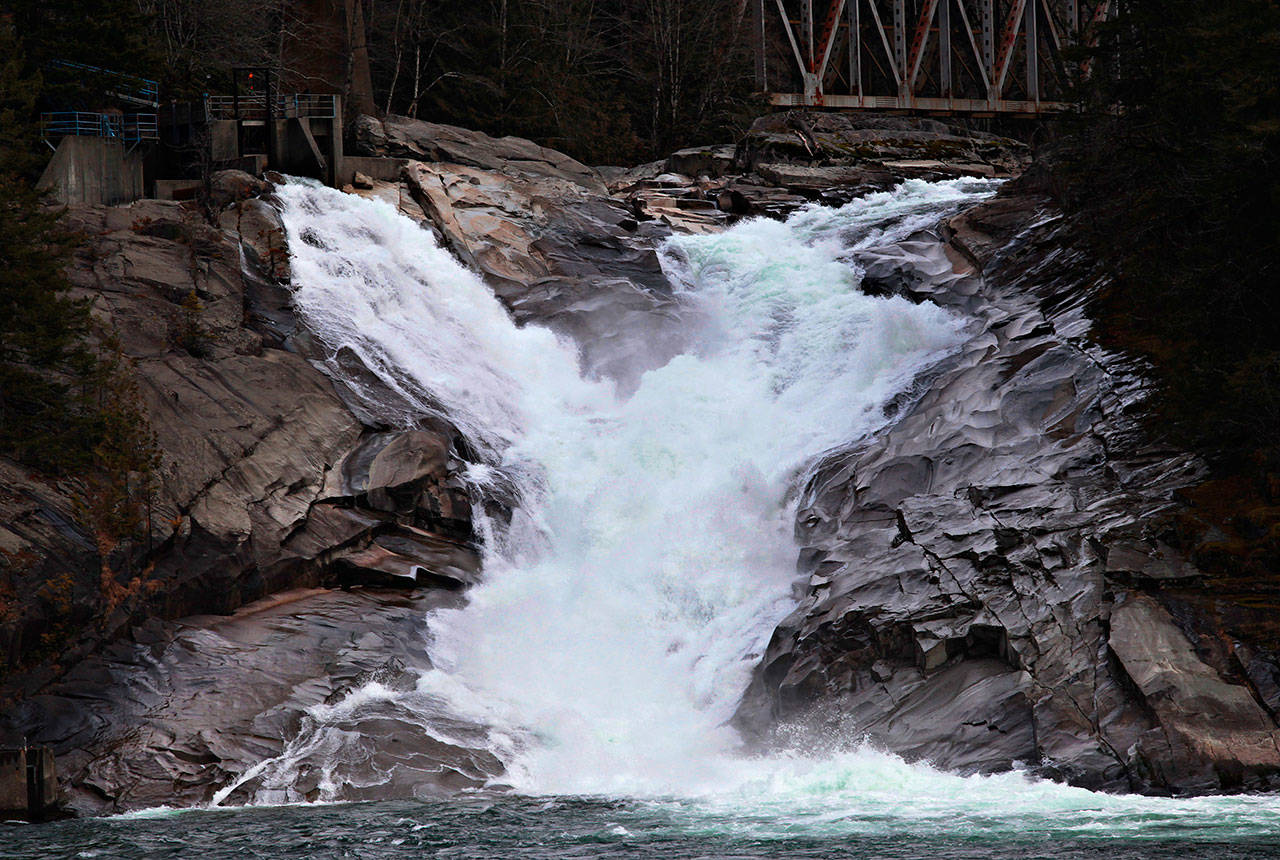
650 555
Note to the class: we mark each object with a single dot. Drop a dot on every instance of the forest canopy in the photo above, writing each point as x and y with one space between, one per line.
608 81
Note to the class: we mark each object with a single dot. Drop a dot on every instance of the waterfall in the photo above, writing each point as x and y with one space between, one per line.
650 556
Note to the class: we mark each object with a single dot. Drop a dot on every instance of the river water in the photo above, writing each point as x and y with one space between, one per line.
647 562
908 824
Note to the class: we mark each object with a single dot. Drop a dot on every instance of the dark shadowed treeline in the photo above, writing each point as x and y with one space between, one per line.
606 80
1175 181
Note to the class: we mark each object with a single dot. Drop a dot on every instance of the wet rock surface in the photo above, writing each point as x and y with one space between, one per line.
986 580
977 574
559 252
268 481
180 709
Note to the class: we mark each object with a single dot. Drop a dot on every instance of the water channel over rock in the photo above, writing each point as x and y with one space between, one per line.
638 546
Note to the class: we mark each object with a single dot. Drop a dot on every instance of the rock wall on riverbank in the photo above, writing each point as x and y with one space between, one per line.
990 581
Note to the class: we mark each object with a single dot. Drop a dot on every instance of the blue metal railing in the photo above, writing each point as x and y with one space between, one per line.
128 87
127 128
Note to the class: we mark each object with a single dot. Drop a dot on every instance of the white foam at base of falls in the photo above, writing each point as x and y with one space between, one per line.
651 554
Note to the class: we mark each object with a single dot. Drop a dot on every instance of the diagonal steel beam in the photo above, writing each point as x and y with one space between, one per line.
988 10
1055 34
806 25
944 48
1008 36
884 40
855 48
919 41
830 27
973 43
1031 27
791 36
900 40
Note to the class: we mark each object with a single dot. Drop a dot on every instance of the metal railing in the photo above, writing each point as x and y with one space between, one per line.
284 106
140 126
127 128
131 88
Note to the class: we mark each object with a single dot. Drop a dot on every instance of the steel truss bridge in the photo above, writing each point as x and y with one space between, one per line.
979 57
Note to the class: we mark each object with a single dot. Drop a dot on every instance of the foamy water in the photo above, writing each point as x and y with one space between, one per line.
651 555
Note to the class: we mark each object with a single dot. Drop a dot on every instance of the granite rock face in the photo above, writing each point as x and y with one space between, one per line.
556 249
985 578
268 481
182 709
253 437
247 432
402 137
988 583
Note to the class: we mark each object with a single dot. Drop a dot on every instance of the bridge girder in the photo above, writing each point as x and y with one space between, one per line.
933 56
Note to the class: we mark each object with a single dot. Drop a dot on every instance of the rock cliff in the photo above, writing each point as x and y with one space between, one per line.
267 482
990 582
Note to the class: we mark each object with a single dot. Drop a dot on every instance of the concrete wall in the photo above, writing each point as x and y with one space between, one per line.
178 189
254 165
14 795
93 170
48 777
309 146
224 140
13 782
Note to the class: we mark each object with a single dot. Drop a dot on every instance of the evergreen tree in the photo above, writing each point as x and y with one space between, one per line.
107 34
1175 172
45 365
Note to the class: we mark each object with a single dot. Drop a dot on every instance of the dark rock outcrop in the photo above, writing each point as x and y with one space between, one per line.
544 233
985 578
268 481
180 710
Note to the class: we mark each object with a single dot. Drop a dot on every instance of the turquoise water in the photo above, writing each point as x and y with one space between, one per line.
513 827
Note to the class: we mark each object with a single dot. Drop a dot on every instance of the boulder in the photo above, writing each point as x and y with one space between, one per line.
712 161
231 186
809 180
905 145
558 253
402 137
261 232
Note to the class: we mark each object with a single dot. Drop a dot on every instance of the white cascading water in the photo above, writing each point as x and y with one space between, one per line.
652 556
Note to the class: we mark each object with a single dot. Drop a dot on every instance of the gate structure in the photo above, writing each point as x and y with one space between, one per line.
980 57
